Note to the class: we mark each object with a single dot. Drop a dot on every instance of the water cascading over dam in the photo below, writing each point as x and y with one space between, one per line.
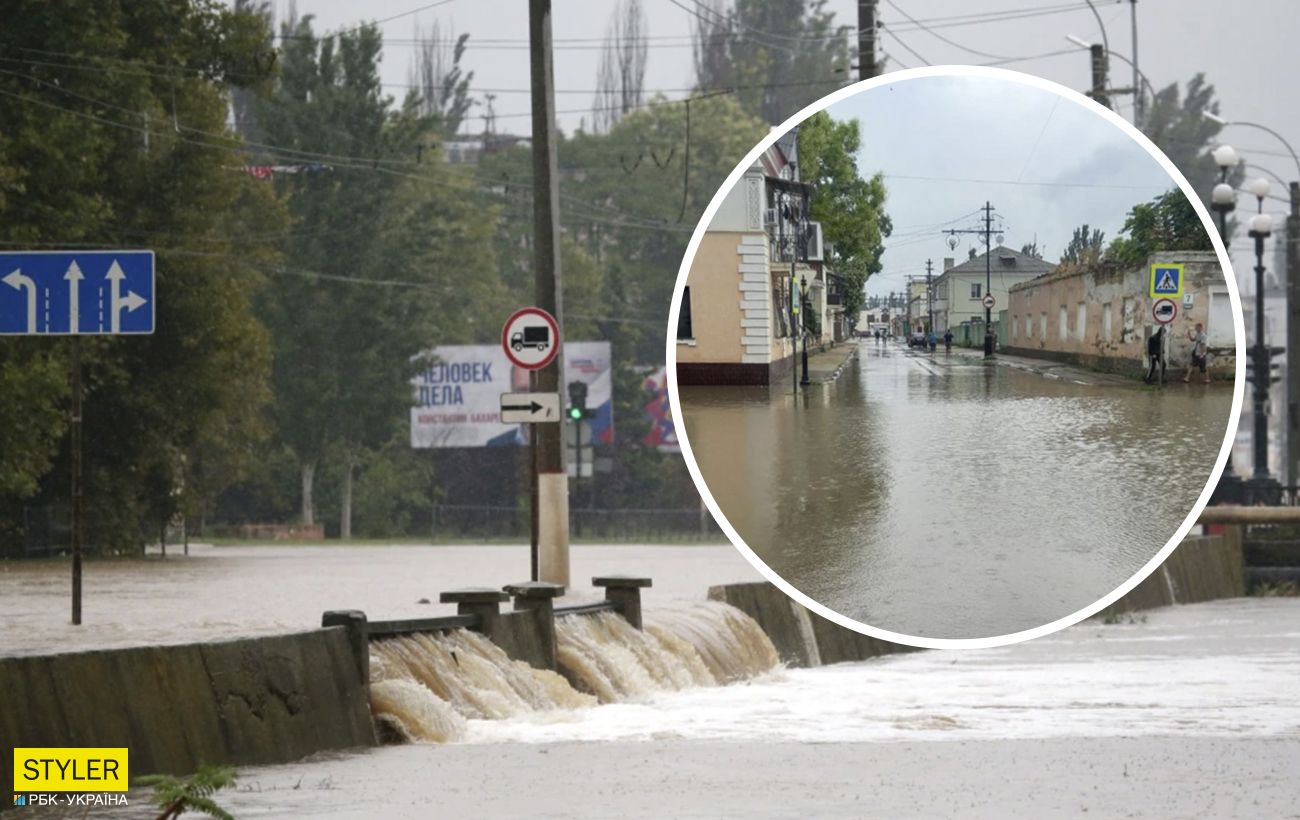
425 687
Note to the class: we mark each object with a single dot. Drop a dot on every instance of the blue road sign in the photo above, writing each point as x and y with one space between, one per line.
1166 281
76 292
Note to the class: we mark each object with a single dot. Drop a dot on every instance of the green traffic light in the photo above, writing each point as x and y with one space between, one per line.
575 413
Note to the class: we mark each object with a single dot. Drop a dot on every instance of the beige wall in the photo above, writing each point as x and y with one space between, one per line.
1116 312
714 281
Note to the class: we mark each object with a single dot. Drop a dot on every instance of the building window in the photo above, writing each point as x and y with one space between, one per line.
1042 325
684 316
1105 322
975 290
1029 326
1062 324
1081 321
1126 321
1014 321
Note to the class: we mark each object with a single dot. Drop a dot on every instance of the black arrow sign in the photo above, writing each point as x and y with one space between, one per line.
531 407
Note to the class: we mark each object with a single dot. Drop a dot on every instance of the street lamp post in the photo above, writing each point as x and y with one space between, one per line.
803 296
1223 201
1263 488
1292 295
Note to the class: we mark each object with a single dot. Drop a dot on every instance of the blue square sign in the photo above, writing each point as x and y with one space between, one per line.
68 293
1166 281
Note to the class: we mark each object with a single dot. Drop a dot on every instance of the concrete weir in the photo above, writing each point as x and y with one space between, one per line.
259 700
1202 568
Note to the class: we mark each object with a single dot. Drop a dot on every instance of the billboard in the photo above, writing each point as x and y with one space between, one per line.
458 396
661 435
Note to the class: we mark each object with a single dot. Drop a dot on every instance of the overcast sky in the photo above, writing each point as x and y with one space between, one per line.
948 144
1247 49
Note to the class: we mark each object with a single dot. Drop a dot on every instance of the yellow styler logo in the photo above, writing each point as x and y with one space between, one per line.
70 770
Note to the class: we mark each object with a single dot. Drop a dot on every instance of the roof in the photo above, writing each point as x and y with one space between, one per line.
1005 261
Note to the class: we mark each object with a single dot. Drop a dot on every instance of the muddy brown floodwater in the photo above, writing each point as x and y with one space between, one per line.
938 496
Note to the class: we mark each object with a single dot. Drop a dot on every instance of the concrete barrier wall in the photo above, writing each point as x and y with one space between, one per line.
787 624
252 701
801 637
1202 568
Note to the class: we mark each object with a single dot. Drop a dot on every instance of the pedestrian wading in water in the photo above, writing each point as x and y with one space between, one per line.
1200 351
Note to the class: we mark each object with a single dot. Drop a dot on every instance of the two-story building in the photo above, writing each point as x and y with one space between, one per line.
735 325
959 290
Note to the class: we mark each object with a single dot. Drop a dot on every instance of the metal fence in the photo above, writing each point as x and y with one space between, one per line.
469 521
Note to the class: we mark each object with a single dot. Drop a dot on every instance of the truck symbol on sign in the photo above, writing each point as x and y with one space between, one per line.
538 338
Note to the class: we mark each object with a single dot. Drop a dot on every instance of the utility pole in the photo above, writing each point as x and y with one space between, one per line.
550 478
929 291
1139 102
867 66
1293 336
1099 79
987 231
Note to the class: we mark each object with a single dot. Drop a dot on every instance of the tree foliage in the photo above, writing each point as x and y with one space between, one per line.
851 209
1085 247
1176 123
376 248
779 55
1167 223
620 80
123 144
440 86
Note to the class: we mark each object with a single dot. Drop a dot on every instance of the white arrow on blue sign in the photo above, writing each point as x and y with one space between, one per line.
63 293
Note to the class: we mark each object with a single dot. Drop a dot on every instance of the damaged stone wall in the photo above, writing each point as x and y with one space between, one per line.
1102 318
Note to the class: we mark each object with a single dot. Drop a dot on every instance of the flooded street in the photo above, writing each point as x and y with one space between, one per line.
230 592
939 497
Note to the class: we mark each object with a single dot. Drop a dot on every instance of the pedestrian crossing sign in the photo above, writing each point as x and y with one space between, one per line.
1166 281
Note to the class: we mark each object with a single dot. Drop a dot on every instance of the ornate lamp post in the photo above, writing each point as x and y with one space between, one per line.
1223 200
1262 488
803 298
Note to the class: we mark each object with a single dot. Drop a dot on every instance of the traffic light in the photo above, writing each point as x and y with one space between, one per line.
1274 367
578 402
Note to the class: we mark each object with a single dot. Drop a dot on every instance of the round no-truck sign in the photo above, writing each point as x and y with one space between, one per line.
1164 311
988 301
531 338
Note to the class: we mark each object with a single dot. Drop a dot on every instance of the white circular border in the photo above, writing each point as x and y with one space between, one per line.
1238 395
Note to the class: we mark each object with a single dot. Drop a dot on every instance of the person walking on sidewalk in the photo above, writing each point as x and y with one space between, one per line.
1200 350
947 341
932 339
1155 347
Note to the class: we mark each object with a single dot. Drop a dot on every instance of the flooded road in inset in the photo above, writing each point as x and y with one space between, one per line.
939 497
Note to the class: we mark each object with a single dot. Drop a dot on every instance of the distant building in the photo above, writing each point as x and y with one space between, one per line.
960 290
1102 318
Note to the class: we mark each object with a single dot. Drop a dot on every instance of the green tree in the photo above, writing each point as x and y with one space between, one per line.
1167 223
1085 247
123 143
1176 123
379 253
851 209
779 55
440 84
1032 249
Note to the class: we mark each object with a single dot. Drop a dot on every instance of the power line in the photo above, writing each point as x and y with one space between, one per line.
900 41
580 206
1015 182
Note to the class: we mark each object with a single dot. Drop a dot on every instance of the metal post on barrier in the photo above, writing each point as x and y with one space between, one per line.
624 592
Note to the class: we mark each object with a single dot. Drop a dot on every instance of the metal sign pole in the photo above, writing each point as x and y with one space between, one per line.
76 480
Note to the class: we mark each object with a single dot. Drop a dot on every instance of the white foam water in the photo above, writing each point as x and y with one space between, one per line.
429 687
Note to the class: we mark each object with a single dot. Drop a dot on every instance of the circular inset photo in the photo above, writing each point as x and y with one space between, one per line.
953 357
